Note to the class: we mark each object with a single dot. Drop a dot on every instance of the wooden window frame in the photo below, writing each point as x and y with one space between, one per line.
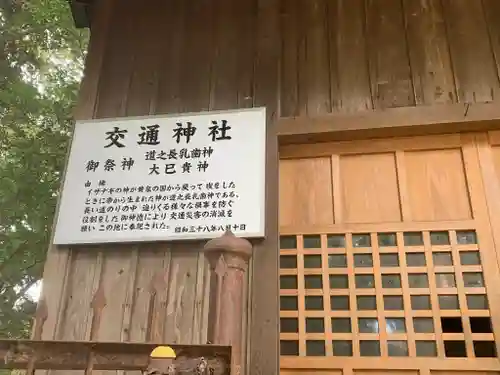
395 122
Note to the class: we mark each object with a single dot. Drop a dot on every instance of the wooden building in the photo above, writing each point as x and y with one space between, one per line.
383 244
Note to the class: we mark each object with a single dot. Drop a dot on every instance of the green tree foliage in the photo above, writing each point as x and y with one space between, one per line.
41 61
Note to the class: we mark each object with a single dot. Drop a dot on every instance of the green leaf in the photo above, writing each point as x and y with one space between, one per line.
41 61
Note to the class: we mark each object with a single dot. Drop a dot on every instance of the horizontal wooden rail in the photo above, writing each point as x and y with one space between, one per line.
390 122
76 355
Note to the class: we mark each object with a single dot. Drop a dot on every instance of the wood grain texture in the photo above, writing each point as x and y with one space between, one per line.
136 303
324 41
171 58
370 195
473 62
117 69
117 271
246 15
150 264
444 194
264 350
226 47
310 180
58 262
351 91
429 52
388 55
439 177
146 62
491 9
197 57
302 82
483 190
201 304
142 99
317 70
114 270
82 285
158 292
332 36
297 58
489 157
67 271
404 121
290 25
180 309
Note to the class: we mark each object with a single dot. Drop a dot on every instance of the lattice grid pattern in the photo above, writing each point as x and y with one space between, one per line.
404 294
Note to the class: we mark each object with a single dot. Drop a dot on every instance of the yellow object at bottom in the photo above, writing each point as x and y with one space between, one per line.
163 352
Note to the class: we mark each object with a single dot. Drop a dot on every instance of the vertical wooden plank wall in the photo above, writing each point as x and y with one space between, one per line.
170 56
430 60
388 61
387 53
471 50
296 57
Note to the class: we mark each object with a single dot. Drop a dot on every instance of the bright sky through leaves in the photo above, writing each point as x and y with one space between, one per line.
41 60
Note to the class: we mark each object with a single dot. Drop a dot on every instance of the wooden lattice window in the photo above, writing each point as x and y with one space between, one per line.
391 294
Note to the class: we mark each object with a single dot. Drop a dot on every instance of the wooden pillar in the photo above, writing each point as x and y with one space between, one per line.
228 256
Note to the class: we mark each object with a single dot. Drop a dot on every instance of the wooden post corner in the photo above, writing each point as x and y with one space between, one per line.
228 256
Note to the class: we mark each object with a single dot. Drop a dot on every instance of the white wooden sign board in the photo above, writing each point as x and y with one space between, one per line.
163 178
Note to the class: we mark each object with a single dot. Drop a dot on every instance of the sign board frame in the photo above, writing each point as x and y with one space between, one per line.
254 134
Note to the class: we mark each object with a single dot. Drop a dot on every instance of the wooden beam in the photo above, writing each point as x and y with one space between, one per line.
331 364
73 355
405 121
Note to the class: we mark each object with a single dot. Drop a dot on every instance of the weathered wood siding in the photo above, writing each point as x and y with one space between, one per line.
298 58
